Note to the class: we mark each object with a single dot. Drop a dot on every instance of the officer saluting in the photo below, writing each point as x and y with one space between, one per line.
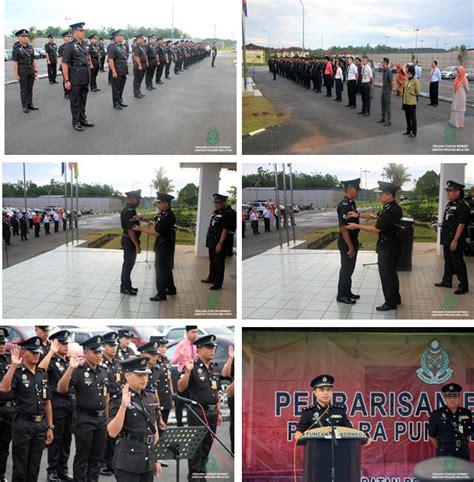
388 245
348 242
219 226
451 426
322 412
91 385
201 380
123 350
51 51
117 58
42 332
133 424
75 65
34 418
130 241
453 235
25 69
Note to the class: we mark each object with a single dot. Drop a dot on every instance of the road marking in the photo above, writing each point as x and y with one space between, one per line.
256 132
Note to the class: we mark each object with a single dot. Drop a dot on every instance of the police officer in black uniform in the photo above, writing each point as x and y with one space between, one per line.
117 57
101 48
91 385
123 350
76 65
140 64
219 226
150 50
169 58
451 426
51 51
161 53
348 242
94 54
33 421
133 424
25 69
201 382
323 412
7 404
116 381
165 232
388 245
164 382
453 236
130 241
66 38
42 331
56 363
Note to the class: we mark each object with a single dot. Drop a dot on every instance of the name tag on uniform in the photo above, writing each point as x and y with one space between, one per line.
214 385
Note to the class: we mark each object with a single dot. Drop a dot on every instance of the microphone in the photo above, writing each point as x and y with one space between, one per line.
177 397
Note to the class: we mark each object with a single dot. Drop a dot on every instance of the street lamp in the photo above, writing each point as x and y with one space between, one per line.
416 30
269 39
421 41
301 1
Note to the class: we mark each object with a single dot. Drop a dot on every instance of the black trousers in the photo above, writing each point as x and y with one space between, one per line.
339 89
178 411
159 72
94 72
254 225
197 465
434 93
27 448
6 422
216 266
386 106
454 264
24 234
129 258
344 287
27 79
123 476
150 72
46 228
167 70
410 116
52 71
352 92
90 434
102 63
164 272
78 99
365 95
267 224
60 449
213 60
243 228
118 84
328 84
389 278
37 230
137 80
56 226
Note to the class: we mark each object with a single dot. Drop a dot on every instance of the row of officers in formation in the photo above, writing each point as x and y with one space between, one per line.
450 426
388 226
80 63
116 404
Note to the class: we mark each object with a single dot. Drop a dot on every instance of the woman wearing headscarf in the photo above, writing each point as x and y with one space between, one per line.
400 79
411 92
458 104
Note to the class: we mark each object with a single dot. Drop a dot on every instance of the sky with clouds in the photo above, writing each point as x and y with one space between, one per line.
121 175
374 168
352 22
195 18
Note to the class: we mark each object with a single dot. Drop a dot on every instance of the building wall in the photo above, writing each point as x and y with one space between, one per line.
444 59
255 56
98 204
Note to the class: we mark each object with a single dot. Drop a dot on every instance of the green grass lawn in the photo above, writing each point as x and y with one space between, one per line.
258 113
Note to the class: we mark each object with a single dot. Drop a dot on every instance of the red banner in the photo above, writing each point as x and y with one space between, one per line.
390 383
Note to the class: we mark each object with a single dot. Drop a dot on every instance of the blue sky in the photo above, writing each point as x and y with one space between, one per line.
352 22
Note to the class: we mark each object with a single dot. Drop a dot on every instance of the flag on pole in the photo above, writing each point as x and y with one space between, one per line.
76 170
244 6
63 168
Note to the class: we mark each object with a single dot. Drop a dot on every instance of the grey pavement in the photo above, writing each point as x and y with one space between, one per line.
22 250
174 119
316 124
217 466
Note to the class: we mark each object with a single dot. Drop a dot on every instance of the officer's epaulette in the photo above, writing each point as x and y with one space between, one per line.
309 407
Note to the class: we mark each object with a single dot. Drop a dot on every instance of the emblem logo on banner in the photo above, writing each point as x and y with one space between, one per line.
434 365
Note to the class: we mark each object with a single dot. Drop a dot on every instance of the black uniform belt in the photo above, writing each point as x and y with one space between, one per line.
210 408
94 413
146 439
7 404
63 396
31 418
79 65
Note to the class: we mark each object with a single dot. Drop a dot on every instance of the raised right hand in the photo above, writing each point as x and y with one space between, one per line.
126 396
74 361
189 365
16 358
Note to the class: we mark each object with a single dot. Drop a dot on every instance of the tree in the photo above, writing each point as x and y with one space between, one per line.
462 54
162 183
232 191
427 186
396 174
188 195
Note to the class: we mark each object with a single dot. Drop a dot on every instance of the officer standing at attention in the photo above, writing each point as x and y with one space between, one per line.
451 426
124 351
164 381
348 242
169 58
117 58
91 386
42 332
453 236
140 64
94 54
33 422
214 54
130 241
201 380
151 58
51 51
25 69
56 363
66 38
161 53
7 410
101 48
219 226
133 424
76 64
165 232
388 245
323 412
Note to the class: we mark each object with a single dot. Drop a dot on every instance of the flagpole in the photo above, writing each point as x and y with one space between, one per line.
244 50
72 203
26 199
77 210
63 164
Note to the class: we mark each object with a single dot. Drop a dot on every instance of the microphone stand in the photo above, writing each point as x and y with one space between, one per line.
204 424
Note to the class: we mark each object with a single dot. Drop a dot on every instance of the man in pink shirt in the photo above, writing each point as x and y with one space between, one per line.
328 76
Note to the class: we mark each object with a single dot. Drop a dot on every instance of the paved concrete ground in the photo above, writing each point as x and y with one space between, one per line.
174 119
302 284
318 125
217 466
22 250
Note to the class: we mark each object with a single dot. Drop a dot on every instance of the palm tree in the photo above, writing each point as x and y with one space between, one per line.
396 173
161 182
462 54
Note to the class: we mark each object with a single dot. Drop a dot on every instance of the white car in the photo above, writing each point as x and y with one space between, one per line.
449 72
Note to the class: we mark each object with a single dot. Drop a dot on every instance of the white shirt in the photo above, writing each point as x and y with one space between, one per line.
56 216
266 213
253 217
366 73
352 72
338 73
